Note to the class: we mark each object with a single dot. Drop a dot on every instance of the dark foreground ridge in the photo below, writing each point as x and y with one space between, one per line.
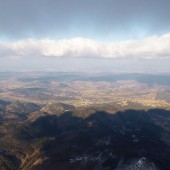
122 141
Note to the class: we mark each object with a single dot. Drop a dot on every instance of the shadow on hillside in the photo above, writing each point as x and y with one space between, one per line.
111 137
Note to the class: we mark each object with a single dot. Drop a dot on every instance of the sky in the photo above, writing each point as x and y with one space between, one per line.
85 35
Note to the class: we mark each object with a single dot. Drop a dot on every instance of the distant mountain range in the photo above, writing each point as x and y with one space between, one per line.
78 121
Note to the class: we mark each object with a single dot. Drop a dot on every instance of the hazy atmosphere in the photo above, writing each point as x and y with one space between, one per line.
84 84
91 35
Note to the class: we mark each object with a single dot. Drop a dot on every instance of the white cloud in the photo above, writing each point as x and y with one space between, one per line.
149 48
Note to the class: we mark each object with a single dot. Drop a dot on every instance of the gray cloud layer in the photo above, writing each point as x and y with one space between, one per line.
87 18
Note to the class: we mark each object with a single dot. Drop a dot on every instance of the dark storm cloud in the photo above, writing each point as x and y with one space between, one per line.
90 18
